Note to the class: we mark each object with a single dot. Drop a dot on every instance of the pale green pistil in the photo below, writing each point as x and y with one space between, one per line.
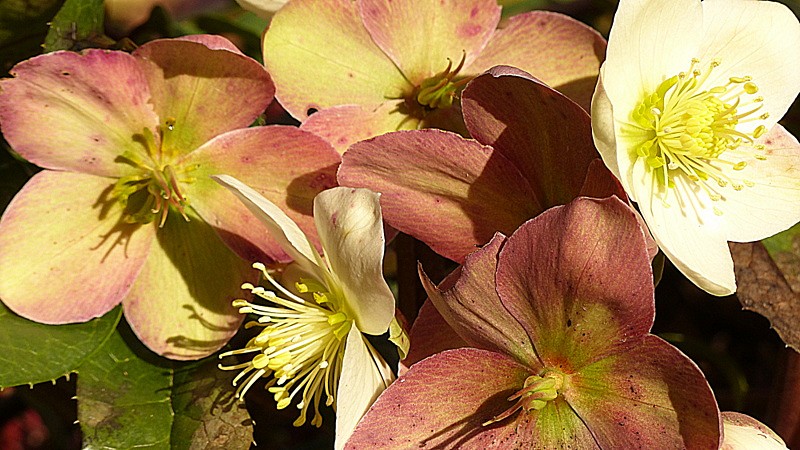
691 130
536 392
149 193
301 346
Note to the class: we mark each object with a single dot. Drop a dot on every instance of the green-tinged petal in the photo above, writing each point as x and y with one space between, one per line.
364 376
473 309
604 132
287 166
650 41
350 228
443 401
544 134
560 51
212 41
422 36
320 55
345 125
279 226
772 204
578 279
651 396
745 433
441 188
65 256
180 306
683 226
195 90
76 112
430 334
756 39
262 8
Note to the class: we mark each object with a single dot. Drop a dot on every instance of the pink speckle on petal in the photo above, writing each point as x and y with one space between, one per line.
474 12
469 30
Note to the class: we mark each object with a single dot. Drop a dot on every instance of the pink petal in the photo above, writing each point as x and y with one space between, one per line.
579 281
77 112
562 52
345 125
421 37
211 41
180 306
544 134
473 309
443 401
441 188
197 90
430 334
320 55
286 165
651 396
64 254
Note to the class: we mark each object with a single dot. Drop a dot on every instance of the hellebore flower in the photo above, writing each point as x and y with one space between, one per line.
532 149
262 8
742 432
126 210
557 318
373 66
685 115
313 340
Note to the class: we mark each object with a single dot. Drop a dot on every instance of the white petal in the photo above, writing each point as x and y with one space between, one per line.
650 40
756 38
687 232
283 229
262 8
773 203
350 229
745 433
603 128
364 376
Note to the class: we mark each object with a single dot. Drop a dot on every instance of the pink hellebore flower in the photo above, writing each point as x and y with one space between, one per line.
374 66
312 343
126 210
532 150
556 319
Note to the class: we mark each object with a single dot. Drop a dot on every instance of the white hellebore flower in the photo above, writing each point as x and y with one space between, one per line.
312 342
742 432
685 115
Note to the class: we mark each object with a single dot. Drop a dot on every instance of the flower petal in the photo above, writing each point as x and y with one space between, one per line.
771 204
441 188
560 51
443 401
757 39
604 130
421 37
745 433
350 228
364 376
280 226
683 225
320 55
345 125
651 396
65 256
298 166
430 334
473 309
180 306
650 40
77 112
578 279
544 134
195 90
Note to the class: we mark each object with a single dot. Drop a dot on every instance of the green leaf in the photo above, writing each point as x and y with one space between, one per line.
127 398
32 352
78 25
23 26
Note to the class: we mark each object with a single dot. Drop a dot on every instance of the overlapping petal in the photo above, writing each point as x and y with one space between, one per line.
192 86
92 103
350 229
745 433
60 221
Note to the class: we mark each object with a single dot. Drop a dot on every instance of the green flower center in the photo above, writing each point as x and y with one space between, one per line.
155 186
687 129
436 92
301 345
536 392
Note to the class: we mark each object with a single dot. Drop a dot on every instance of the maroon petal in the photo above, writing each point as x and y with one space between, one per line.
430 334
